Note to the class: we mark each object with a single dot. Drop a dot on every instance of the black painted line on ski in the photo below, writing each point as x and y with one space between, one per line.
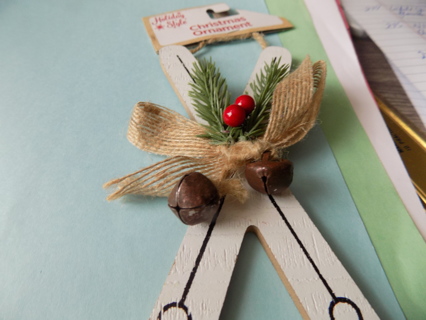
181 303
185 68
335 300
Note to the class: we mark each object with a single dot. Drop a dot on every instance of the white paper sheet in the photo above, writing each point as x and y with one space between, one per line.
341 53
417 99
398 27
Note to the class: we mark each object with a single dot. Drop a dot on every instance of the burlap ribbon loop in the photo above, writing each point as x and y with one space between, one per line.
156 129
163 131
295 104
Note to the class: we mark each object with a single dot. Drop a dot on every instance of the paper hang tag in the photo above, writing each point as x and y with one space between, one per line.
193 25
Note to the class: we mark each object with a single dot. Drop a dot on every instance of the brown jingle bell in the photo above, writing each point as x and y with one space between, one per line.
269 176
194 199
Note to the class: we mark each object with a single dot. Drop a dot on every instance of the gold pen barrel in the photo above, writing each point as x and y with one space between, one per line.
411 146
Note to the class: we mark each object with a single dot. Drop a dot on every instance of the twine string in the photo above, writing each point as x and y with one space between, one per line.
232 37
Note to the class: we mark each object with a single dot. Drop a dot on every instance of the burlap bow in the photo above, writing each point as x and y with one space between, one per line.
295 105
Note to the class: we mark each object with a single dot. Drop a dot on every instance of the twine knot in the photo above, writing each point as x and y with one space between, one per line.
240 153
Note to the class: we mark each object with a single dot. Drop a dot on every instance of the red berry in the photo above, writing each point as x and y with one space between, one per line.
234 115
246 102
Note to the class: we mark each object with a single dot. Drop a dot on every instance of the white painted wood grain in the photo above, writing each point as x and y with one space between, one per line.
208 290
266 56
171 58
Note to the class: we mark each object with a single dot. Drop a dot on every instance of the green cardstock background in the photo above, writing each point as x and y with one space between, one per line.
399 245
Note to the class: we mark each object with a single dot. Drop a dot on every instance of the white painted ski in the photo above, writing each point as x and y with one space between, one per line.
198 281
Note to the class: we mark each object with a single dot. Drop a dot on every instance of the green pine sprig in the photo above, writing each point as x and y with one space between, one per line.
263 89
210 96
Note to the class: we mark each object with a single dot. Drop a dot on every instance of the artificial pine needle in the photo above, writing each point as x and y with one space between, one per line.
210 96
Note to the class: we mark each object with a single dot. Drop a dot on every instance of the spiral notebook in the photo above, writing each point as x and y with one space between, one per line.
398 27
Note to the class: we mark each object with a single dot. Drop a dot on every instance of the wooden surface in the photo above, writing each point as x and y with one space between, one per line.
383 81
198 281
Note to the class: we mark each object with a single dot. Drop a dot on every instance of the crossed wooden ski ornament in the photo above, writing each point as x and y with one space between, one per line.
196 286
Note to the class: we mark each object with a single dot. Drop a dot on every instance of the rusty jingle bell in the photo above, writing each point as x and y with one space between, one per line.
269 176
194 199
